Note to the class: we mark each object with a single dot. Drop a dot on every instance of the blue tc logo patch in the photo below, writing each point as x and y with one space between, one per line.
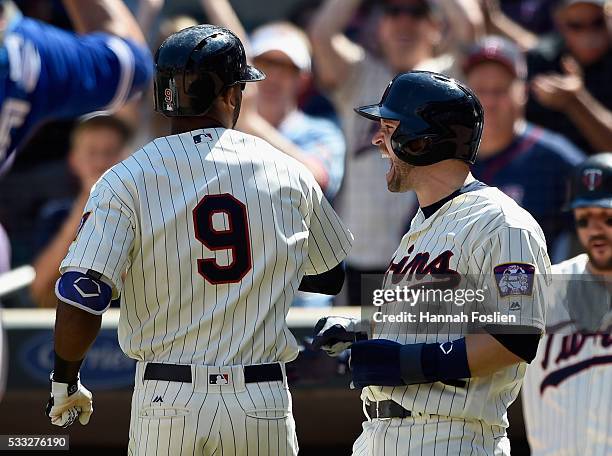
514 279
106 367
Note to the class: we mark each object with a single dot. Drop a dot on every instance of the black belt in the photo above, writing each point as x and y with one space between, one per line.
254 373
386 409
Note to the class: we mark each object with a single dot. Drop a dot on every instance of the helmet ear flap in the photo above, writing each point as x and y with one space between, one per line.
203 89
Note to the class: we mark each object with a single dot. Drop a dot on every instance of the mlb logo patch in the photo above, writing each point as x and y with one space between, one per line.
206 137
514 279
218 379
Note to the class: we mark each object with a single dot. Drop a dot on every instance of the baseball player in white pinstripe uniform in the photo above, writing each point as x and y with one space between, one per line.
205 235
432 388
566 396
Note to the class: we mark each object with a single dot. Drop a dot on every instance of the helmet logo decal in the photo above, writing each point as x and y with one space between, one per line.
591 178
169 98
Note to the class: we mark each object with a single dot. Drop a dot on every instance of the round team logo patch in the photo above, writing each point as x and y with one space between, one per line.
514 279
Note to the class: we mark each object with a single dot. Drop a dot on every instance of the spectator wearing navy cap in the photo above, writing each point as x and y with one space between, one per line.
527 162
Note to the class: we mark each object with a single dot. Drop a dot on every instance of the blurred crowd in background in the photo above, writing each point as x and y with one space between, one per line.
541 68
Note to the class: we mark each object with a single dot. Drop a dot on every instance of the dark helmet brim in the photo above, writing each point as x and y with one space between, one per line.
586 202
377 112
252 74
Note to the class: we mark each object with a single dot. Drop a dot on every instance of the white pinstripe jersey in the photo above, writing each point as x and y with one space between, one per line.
215 229
566 395
473 234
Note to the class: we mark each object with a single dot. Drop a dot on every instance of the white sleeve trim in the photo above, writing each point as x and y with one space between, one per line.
126 75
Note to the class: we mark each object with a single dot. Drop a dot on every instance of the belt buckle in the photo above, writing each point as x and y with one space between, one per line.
378 413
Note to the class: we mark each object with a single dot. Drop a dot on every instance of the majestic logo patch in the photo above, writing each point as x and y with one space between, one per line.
158 399
218 379
514 279
592 178
515 305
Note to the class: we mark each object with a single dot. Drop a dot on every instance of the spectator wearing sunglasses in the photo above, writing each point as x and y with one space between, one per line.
570 74
407 33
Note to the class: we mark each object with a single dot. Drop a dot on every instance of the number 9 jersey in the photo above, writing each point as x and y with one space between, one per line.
206 235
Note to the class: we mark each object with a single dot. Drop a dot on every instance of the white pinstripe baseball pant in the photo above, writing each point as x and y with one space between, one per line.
200 418
430 435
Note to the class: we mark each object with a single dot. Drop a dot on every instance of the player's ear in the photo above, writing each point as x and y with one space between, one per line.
234 94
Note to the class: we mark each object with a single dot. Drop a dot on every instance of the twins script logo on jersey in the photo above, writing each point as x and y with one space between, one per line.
591 178
420 266
514 279
571 347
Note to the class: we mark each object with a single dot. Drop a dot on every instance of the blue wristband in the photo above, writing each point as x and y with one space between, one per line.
428 363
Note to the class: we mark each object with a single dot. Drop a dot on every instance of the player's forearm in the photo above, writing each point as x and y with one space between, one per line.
110 16
486 355
592 119
75 331
221 12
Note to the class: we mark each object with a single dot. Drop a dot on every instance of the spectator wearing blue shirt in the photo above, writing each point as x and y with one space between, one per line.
527 162
48 73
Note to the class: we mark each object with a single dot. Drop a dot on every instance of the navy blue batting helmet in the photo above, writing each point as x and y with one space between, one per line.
193 66
439 118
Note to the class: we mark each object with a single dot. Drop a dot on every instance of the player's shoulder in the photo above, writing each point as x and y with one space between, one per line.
497 211
263 154
125 177
576 265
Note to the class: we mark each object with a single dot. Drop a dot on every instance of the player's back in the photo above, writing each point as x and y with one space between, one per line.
220 245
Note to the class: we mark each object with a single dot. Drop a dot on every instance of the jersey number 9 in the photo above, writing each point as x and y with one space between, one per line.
235 239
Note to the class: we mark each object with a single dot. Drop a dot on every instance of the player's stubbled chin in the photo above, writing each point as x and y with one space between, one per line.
391 172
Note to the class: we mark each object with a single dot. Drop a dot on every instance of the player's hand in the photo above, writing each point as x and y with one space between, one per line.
68 402
376 362
335 334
